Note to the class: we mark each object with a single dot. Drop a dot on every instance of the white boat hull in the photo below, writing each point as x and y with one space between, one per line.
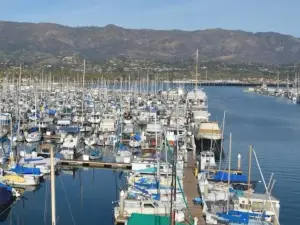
33 137
134 144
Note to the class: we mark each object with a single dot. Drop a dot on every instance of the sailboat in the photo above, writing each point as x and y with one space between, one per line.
242 205
4 117
33 134
123 154
94 154
135 141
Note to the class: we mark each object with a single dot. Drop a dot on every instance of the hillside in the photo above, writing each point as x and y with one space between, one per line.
51 43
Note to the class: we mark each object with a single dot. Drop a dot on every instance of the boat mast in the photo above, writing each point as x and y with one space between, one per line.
222 141
18 99
172 216
82 102
42 84
297 84
53 206
121 110
147 84
288 83
158 158
174 178
35 119
196 80
277 80
249 173
229 171
276 213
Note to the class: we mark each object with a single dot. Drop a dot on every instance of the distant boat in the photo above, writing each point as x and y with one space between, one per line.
95 154
135 141
6 200
123 155
16 180
33 135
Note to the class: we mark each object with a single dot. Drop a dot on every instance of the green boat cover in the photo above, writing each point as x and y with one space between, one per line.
149 219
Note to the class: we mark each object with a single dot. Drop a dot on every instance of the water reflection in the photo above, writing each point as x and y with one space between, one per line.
82 194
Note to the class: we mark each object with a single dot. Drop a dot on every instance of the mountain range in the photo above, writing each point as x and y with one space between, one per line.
49 43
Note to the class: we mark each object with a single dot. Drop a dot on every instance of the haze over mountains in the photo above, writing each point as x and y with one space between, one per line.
45 42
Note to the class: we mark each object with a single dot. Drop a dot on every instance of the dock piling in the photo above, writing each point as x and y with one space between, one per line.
195 221
239 161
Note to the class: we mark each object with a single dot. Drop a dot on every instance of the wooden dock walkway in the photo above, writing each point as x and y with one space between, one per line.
96 164
190 188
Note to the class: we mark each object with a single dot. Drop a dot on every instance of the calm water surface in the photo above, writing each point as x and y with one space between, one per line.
271 125
83 196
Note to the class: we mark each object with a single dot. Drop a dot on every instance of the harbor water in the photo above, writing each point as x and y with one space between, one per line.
271 125
83 196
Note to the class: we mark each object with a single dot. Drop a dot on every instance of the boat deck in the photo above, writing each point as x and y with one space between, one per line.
190 188
53 136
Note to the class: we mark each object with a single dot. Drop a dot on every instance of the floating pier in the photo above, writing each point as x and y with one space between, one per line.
235 83
95 164
191 191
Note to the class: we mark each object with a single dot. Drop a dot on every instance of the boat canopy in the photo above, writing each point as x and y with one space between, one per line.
33 129
149 219
137 137
122 147
26 170
223 176
51 111
71 129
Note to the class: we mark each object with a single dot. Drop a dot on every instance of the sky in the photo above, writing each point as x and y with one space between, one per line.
250 15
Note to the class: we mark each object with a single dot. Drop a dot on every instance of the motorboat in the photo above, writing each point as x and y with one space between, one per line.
33 135
135 141
123 155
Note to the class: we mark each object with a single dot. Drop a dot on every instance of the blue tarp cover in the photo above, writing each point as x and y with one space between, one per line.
239 213
26 170
137 137
154 196
51 111
237 218
71 129
223 176
122 147
9 188
148 185
33 129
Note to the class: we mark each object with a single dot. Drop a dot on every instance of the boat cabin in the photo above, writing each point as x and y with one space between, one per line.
207 160
257 203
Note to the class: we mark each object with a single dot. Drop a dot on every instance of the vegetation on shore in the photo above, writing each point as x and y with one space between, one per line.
122 68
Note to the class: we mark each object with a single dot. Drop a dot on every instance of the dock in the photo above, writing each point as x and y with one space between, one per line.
235 83
95 164
191 191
